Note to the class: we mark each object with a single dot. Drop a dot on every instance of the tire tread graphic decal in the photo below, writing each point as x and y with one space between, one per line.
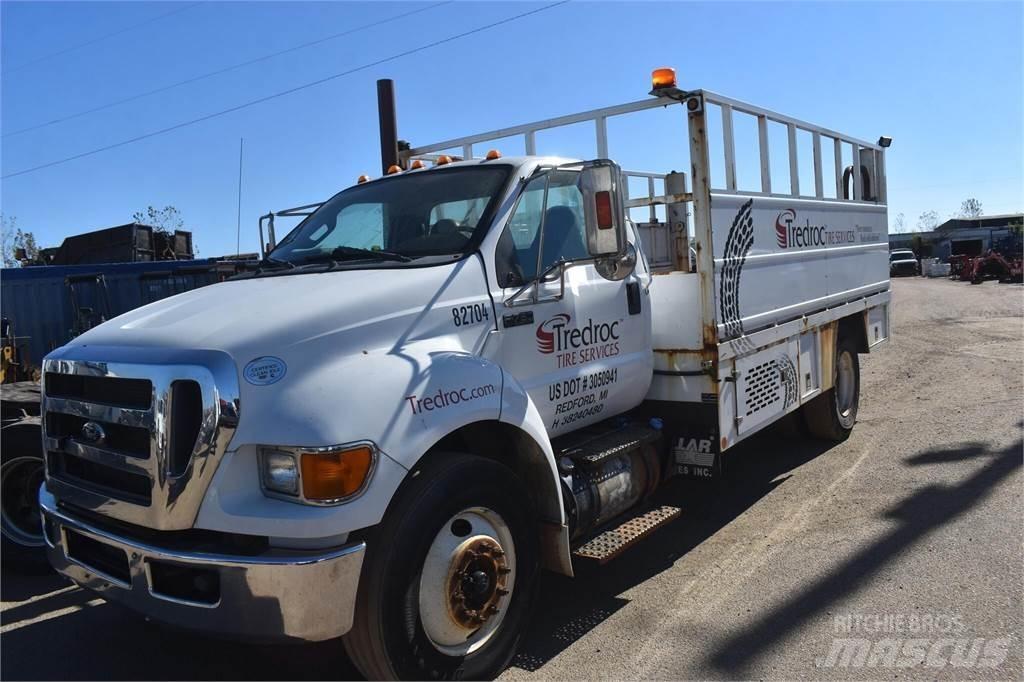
788 372
737 245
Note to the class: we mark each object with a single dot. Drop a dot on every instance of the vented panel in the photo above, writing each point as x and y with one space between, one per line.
761 387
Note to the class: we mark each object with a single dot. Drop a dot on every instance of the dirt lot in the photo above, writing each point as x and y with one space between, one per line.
886 556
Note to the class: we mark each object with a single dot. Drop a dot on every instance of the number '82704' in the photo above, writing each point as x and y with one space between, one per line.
464 315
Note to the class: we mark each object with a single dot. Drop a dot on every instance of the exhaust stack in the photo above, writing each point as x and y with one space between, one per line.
388 124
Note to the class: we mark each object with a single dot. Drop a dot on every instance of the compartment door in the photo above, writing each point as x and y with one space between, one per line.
765 386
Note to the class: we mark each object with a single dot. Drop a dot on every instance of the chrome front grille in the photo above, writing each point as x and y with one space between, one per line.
136 441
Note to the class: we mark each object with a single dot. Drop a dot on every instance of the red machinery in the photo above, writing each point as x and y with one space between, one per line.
992 265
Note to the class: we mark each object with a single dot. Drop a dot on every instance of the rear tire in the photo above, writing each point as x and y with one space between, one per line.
21 474
831 416
457 515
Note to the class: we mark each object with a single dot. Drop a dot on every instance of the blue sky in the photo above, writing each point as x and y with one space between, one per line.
944 79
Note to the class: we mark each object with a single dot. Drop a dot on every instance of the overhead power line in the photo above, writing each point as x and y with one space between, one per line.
101 38
225 69
283 93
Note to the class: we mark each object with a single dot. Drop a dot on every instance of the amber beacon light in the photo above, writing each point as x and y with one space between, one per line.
663 78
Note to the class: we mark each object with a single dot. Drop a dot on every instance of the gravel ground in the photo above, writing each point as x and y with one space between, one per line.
905 543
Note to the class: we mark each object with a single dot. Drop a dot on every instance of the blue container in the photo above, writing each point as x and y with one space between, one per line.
40 301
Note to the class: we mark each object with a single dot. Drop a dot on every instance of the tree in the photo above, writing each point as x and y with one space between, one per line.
927 221
970 208
7 227
166 219
16 242
164 222
899 225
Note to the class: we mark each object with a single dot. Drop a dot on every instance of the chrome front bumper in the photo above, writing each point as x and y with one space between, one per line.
304 596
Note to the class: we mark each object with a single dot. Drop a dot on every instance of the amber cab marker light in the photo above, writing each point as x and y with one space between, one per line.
335 475
416 164
394 169
663 78
363 178
443 159
493 154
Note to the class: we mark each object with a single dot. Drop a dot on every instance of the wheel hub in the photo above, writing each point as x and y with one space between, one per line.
466 581
476 581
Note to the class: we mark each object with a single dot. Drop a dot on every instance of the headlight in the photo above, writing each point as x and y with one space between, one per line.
280 472
320 476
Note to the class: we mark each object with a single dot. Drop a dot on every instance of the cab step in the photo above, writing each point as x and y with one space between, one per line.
614 541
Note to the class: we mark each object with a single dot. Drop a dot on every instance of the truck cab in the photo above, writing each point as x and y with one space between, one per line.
445 380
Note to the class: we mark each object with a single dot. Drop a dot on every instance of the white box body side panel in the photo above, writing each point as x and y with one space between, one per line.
779 258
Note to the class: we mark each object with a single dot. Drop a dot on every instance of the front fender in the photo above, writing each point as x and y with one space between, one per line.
405 401
517 409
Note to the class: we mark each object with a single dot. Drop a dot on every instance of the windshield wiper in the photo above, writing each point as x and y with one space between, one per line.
355 252
275 263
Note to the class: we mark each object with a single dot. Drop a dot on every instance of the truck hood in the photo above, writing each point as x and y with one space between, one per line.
343 311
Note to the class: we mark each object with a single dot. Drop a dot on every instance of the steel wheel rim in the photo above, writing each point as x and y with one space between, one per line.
20 519
845 385
453 596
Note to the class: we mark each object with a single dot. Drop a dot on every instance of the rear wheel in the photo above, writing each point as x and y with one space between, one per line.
449 575
831 416
21 474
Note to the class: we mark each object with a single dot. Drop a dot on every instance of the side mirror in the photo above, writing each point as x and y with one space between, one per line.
603 208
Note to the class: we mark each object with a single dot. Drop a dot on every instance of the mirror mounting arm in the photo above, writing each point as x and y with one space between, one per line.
517 298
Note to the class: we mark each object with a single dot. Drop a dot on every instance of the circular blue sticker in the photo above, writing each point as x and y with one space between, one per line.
265 371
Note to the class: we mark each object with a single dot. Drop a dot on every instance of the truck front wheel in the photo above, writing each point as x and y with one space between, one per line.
449 575
831 416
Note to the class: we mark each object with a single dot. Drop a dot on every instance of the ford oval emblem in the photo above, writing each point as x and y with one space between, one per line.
93 433
265 371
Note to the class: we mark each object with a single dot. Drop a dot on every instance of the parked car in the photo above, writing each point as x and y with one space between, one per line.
903 262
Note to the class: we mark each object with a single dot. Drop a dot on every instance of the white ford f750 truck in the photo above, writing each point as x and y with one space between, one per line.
451 377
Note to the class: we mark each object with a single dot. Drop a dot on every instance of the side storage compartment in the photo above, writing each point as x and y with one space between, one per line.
758 388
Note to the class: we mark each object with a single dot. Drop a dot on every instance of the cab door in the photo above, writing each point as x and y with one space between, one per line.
579 343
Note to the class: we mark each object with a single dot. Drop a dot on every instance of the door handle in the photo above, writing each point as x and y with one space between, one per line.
633 298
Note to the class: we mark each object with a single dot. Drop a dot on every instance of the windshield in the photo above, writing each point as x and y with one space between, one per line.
902 255
430 213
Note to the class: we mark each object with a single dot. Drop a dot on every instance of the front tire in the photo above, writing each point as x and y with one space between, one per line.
449 575
831 416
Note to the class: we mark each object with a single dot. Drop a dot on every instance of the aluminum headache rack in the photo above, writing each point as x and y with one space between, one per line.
867 185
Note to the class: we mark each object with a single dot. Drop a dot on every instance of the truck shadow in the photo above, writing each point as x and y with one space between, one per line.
918 515
571 607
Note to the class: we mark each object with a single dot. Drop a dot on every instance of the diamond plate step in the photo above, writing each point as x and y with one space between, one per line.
615 541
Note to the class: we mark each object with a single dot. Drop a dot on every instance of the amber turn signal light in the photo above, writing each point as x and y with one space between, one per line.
335 475
663 78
